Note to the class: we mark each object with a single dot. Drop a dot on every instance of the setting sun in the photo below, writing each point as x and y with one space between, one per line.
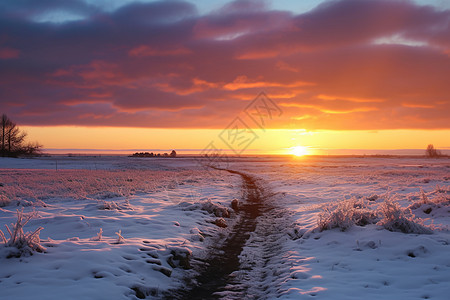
299 150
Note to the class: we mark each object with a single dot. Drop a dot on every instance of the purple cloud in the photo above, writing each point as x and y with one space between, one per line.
373 64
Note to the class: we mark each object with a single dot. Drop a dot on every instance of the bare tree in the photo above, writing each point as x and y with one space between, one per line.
432 152
12 139
5 125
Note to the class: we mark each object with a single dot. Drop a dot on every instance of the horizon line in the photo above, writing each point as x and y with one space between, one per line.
195 151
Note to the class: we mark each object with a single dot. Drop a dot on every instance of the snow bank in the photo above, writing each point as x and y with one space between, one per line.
365 205
153 222
109 234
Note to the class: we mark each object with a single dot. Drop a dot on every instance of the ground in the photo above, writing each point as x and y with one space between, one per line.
130 228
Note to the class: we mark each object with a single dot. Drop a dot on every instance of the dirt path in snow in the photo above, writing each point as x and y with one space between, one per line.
218 278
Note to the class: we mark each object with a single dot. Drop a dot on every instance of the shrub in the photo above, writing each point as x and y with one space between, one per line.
112 205
432 152
104 205
441 196
443 189
213 208
4 201
24 243
98 237
388 214
120 238
436 205
345 214
394 219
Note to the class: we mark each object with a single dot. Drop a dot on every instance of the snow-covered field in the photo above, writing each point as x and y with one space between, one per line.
128 228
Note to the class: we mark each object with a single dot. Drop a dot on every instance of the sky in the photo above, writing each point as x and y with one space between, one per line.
122 74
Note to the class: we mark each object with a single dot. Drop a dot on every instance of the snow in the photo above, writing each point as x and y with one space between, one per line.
74 205
363 262
166 210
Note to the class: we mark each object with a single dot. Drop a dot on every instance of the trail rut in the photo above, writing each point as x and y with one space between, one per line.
216 277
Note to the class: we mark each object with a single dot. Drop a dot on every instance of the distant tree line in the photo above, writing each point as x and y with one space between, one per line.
151 154
12 140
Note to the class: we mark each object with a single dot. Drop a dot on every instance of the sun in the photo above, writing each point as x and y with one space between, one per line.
299 150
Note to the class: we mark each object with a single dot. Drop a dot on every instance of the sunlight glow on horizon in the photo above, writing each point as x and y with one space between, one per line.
270 141
299 151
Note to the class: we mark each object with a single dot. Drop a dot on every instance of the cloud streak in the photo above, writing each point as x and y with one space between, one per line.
372 64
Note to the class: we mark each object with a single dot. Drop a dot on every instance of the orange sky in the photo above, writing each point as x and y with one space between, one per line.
271 141
175 74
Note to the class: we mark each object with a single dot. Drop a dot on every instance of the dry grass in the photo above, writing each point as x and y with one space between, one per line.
395 219
23 242
347 213
35 187
388 214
